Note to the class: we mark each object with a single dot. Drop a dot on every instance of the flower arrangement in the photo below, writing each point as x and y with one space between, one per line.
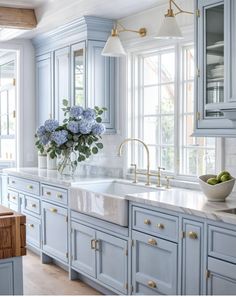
78 135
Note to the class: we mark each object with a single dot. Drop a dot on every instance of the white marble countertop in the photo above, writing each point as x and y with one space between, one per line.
175 199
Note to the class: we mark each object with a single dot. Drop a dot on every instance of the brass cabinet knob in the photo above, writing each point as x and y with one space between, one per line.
93 244
152 241
48 193
13 182
13 197
53 210
33 205
30 187
147 222
160 226
31 225
192 235
152 284
59 196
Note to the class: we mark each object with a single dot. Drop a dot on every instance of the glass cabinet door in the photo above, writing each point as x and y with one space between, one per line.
214 59
78 74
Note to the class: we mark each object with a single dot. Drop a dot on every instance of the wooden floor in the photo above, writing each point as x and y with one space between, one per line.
48 279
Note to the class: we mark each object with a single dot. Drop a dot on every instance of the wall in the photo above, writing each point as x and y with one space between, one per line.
25 101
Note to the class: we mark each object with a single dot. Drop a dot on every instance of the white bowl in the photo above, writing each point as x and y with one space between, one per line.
218 192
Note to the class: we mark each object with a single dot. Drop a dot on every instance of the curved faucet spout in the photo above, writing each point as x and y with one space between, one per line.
147 151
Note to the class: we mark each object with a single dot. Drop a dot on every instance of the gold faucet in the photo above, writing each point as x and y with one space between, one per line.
159 176
147 151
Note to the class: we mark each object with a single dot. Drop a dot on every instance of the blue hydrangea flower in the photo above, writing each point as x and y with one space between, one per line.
73 126
89 114
76 112
44 139
51 125
85 126
41 131
98 129
60 137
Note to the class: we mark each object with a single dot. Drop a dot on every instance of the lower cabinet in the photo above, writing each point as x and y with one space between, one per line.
100 255
192 258
33 231
154 265
222 277
54 231
11 281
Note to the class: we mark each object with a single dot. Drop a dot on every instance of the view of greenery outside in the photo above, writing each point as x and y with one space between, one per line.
7 111
166 112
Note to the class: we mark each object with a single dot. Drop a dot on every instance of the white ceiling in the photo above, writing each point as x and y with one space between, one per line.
53 13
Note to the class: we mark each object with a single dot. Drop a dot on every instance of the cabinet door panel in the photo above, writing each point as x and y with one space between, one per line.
112 261
33 231
55 239
82 251
6 279
192 258
154 265
101 82
222 280
62 79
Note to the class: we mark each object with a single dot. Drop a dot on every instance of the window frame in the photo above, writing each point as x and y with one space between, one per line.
133 126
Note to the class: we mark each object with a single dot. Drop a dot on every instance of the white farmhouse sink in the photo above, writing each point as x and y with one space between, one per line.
105 199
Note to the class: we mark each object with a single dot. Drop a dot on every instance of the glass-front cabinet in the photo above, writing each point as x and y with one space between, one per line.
214 80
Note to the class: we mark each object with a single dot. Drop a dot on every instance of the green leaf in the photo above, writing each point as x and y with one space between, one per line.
95 150
99 120
99 145
100 112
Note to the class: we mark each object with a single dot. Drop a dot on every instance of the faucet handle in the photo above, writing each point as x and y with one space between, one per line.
135 173
168 181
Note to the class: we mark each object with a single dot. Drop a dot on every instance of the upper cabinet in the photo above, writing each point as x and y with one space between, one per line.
70 66
215 30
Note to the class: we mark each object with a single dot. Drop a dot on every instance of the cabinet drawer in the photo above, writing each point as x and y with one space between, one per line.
24 185
33 231
222 243
54 194
155 223
13 197
32 205
154 265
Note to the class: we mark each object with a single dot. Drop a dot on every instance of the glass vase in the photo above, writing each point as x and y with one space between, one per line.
67 165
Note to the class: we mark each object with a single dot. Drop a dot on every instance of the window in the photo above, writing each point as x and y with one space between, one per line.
7 111
161 109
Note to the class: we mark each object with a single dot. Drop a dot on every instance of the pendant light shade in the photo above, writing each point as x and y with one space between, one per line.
169 29
113 47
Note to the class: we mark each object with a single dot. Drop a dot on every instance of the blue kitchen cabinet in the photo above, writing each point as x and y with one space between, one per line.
154 265
54 231
33 231
221 277
192 258
44 85
83 248
101 82
215 95
11 282
101 256
62 80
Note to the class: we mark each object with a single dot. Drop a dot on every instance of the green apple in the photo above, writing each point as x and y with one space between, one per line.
212 181
225 177
223 173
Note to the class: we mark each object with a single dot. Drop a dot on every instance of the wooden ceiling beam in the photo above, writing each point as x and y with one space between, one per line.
17 18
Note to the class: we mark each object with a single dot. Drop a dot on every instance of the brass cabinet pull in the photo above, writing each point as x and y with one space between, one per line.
97 245
59 196
31 225
53 210
33 205
30 187
147 222
13 197
160 226
152 241
192 235
13 182
152 284
93 244
48 193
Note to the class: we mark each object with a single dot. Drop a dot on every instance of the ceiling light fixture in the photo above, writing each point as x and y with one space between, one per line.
113 46
169 28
